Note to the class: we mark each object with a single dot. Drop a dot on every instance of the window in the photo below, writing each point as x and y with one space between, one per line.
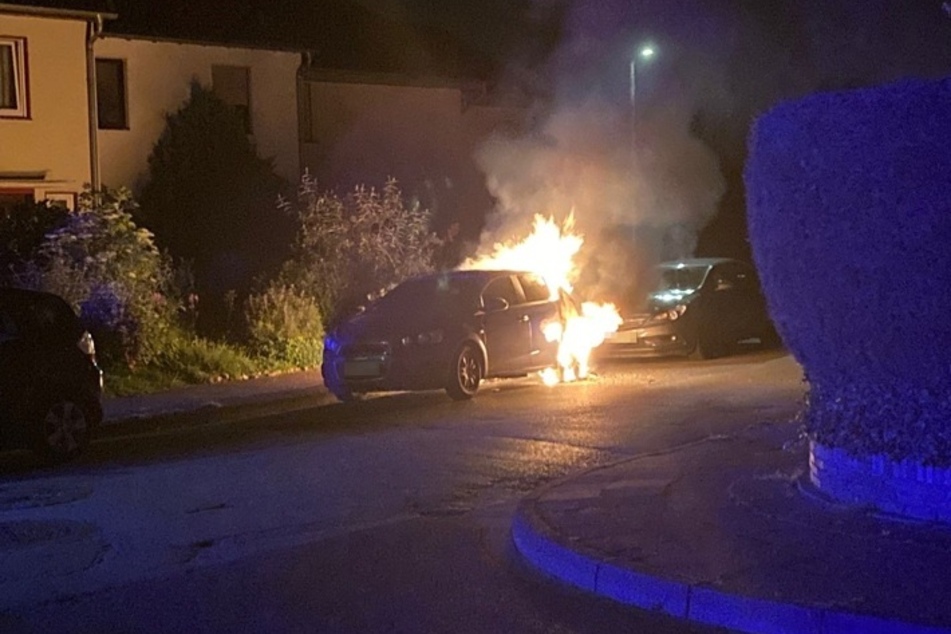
534 287
13 101
232 84
111 94
11 199
503 288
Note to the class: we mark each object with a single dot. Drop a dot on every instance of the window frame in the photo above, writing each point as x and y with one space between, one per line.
123 97
18 46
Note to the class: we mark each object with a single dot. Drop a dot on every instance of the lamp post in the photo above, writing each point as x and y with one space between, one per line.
645 53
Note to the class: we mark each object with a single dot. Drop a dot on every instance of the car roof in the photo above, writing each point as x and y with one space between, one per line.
20 295
698 262
477 274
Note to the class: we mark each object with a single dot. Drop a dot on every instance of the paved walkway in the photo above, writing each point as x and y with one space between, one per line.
199 404
726 532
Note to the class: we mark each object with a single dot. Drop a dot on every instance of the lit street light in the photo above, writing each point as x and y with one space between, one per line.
645 53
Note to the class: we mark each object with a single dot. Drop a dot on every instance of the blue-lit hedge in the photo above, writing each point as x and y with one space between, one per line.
849 203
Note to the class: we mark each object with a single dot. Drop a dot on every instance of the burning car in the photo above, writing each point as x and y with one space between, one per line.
700 307
447 330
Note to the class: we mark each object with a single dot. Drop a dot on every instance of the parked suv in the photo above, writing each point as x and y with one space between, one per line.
50 384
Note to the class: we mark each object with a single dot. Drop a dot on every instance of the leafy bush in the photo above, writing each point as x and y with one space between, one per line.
111 270
210 200
284 326
22 230
850 222
358 244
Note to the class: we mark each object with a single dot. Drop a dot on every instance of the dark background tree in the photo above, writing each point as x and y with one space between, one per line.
211 201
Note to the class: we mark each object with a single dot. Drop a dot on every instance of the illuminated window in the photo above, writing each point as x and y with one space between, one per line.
111 94
13 101
232 84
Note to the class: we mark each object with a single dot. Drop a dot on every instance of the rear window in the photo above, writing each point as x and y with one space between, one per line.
38 316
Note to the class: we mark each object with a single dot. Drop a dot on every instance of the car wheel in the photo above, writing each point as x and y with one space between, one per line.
466 373
63 430
709 345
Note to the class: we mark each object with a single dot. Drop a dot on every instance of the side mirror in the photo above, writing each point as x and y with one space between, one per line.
496 304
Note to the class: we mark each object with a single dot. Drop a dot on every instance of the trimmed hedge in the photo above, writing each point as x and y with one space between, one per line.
849 203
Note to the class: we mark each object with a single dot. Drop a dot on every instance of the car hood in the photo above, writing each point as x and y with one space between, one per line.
658 302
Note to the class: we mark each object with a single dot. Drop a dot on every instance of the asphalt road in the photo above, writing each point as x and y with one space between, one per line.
389 515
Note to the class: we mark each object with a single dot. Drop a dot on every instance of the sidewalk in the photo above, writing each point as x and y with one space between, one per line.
212 403
726 532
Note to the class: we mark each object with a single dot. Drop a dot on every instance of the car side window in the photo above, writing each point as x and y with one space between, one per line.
534 287
503 288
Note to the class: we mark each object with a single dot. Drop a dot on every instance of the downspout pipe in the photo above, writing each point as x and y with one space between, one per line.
93 32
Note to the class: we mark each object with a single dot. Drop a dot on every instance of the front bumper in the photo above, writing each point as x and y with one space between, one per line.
383 367
652 340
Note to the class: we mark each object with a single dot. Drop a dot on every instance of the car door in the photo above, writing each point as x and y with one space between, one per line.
540 309
507 326
733 301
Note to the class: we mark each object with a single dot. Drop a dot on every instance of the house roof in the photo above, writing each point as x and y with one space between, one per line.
340 34
82 8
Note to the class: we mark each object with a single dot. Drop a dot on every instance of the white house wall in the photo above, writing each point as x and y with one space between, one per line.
158 77
49 149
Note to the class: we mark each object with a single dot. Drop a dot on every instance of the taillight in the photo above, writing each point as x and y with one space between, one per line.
87 346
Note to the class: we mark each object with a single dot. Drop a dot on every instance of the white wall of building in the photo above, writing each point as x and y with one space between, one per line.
158 76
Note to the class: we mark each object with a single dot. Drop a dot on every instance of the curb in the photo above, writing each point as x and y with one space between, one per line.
213 413
540 545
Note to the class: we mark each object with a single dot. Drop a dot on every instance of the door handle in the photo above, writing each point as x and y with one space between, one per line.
524 318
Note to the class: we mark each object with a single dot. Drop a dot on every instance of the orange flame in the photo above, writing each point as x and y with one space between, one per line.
549 251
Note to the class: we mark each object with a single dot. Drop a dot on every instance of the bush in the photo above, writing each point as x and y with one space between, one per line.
22 231
285 327
850 222
210 200
110 269
351 246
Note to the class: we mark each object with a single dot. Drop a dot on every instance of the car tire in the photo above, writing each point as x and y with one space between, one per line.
709 345
465 374
63 429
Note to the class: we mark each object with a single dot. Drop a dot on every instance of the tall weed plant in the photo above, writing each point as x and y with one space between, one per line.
347 247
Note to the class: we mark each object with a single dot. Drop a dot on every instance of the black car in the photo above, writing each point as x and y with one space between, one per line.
445 331
50 384
701 307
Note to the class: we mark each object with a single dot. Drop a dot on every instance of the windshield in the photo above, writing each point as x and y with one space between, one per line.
684 279
437 292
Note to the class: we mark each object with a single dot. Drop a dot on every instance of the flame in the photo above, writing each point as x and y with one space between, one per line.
549 251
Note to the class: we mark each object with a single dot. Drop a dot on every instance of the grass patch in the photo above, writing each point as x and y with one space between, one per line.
187 360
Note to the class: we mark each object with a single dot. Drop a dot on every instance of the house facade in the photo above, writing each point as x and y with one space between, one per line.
46 138
140 80
79 106
362 128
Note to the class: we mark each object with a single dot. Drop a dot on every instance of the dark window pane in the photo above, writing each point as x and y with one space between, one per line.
110 94
501 287
8 81
534 288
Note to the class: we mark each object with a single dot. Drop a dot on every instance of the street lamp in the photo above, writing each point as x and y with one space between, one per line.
645 53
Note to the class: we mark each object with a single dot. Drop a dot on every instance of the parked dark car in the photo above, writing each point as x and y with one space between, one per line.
50 384
444 331
699 307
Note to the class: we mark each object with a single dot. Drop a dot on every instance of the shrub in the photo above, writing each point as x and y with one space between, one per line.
22 230
210 200
351 246
850 222
284 326
111 270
